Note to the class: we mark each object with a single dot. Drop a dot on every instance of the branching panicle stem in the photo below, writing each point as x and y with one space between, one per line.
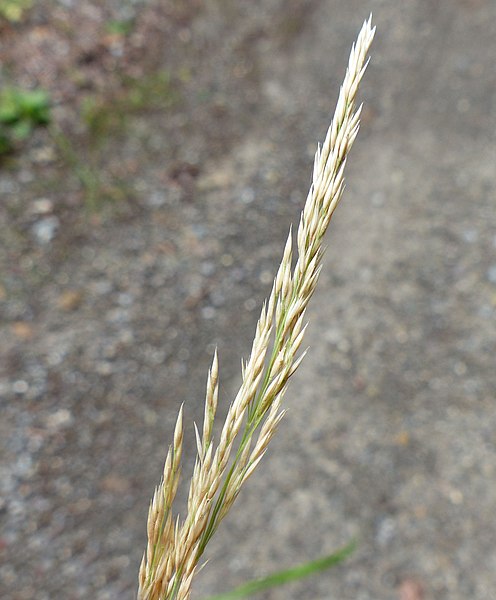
175 549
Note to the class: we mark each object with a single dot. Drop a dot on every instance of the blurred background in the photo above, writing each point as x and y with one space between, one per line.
153 155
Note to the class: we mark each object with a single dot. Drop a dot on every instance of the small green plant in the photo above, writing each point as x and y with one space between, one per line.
96 192
14 10
121 27
20 112
288 575
105 115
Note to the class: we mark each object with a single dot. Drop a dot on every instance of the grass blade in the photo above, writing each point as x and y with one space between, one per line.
288 575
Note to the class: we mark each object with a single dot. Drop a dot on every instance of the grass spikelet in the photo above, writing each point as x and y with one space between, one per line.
175 547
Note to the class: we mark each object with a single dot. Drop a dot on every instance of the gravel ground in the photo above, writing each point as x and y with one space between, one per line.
109 318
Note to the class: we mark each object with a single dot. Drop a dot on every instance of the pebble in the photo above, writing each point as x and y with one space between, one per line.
125 299
208 312
378 199
70 300
218 298
101 287
491 274
247 195
385 531
226 260
8 186
238 274
104 368
470 235
26 175
207 268
22 330
43 155
59 419
20 386
266 277
157 199
250 304
45 230
117 315
42 206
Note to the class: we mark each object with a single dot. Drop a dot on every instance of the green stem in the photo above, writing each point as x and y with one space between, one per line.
288 575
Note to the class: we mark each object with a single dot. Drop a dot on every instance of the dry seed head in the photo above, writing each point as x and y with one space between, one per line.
178 439
210 402
177 549
253 466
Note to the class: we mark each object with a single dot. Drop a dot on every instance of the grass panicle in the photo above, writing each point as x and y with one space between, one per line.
175 547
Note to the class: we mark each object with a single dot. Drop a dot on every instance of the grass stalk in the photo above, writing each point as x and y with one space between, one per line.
175 548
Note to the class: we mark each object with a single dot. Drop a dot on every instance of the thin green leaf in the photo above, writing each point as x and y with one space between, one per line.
288 575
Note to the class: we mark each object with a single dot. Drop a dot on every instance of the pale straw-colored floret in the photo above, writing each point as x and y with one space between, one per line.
175 548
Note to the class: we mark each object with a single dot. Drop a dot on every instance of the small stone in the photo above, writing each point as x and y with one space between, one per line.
402 438
250 304
46 229
377 199
333 336
463 105
124 299
372 391
104 368
491 274
207 268
410 589
70 300
80 507
219 179
226 260
115 484
157 199
45 154
385 531
42 206
101 287
247 195
117 315
22 330
455 496
470 235
217 297
26 176
59 419
150 416
265 277
20 386
460 368
208 312
237 274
